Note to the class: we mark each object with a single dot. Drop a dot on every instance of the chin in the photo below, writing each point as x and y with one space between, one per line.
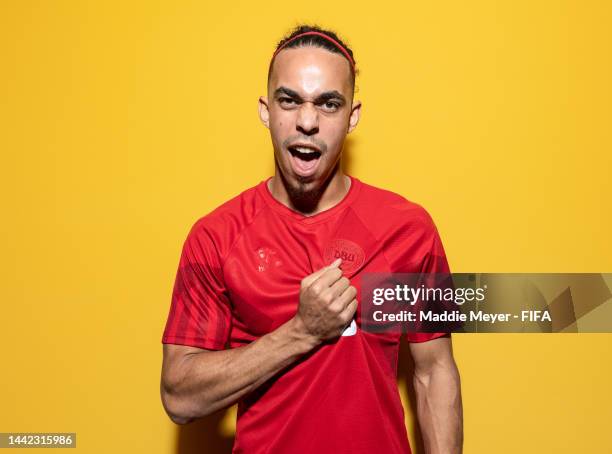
303 185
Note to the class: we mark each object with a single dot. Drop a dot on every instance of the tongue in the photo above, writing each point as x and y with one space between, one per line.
305 166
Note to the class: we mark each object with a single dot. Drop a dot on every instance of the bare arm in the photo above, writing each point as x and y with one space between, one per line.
196 382
438 393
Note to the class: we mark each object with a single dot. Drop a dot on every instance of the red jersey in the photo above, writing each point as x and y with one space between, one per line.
239 278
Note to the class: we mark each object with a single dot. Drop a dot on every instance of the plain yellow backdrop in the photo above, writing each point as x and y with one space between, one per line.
123 122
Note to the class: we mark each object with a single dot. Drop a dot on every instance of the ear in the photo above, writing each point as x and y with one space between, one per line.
264 113
355 114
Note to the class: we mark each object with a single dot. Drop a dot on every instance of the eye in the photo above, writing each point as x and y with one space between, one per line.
286 102
330 106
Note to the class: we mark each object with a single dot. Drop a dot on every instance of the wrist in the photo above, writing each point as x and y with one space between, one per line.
300 335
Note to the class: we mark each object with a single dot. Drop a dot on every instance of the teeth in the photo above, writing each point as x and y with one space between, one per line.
304 150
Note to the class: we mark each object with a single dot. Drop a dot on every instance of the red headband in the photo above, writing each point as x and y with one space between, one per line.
322 35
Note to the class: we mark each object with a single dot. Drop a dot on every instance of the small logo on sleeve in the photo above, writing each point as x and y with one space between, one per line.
351 254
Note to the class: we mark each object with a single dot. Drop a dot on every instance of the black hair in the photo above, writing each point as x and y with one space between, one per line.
315 41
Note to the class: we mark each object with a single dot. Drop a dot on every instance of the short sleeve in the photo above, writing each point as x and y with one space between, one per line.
434 262
200 314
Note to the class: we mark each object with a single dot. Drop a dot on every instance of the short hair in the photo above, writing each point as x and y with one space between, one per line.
314 41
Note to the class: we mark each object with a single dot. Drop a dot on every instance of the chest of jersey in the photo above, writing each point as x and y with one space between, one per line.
264 269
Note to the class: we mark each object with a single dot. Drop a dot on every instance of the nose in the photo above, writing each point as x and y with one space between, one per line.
308 119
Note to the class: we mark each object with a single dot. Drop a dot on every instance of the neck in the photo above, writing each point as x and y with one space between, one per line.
331 192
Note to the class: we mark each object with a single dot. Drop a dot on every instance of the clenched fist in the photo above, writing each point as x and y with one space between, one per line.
327 303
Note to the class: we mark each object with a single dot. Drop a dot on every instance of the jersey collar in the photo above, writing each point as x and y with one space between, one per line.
297 216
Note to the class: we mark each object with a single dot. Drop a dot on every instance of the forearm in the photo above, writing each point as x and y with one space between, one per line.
439 408
208 381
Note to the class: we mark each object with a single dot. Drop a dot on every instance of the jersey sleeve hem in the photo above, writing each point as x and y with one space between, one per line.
190 342
427 337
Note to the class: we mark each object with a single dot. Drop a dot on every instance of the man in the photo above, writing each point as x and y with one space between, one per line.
274 274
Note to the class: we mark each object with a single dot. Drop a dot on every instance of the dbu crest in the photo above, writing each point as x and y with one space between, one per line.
351 254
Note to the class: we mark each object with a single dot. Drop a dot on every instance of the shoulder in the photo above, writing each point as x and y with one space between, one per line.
384 209
404 229
220 227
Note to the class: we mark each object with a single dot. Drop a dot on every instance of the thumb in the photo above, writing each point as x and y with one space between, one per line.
314 276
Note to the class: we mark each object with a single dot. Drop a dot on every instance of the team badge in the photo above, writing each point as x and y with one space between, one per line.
351 254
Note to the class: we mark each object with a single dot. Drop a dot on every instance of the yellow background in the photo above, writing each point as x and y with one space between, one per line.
123 122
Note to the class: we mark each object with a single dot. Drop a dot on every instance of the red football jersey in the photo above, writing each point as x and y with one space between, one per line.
239 278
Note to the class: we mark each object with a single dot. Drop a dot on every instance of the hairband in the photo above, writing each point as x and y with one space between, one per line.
323 35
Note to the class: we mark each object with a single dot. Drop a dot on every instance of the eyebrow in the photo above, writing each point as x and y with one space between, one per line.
325 96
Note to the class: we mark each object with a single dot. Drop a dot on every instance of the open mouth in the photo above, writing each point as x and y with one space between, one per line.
304 160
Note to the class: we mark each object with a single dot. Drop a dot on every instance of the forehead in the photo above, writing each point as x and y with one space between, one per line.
304 67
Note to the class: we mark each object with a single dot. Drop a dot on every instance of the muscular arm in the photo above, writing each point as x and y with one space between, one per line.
197 382
438 393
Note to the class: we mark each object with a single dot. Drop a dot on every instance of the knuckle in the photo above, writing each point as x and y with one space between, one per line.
335 307
316 288
335 272
345 320
353 306
327 297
